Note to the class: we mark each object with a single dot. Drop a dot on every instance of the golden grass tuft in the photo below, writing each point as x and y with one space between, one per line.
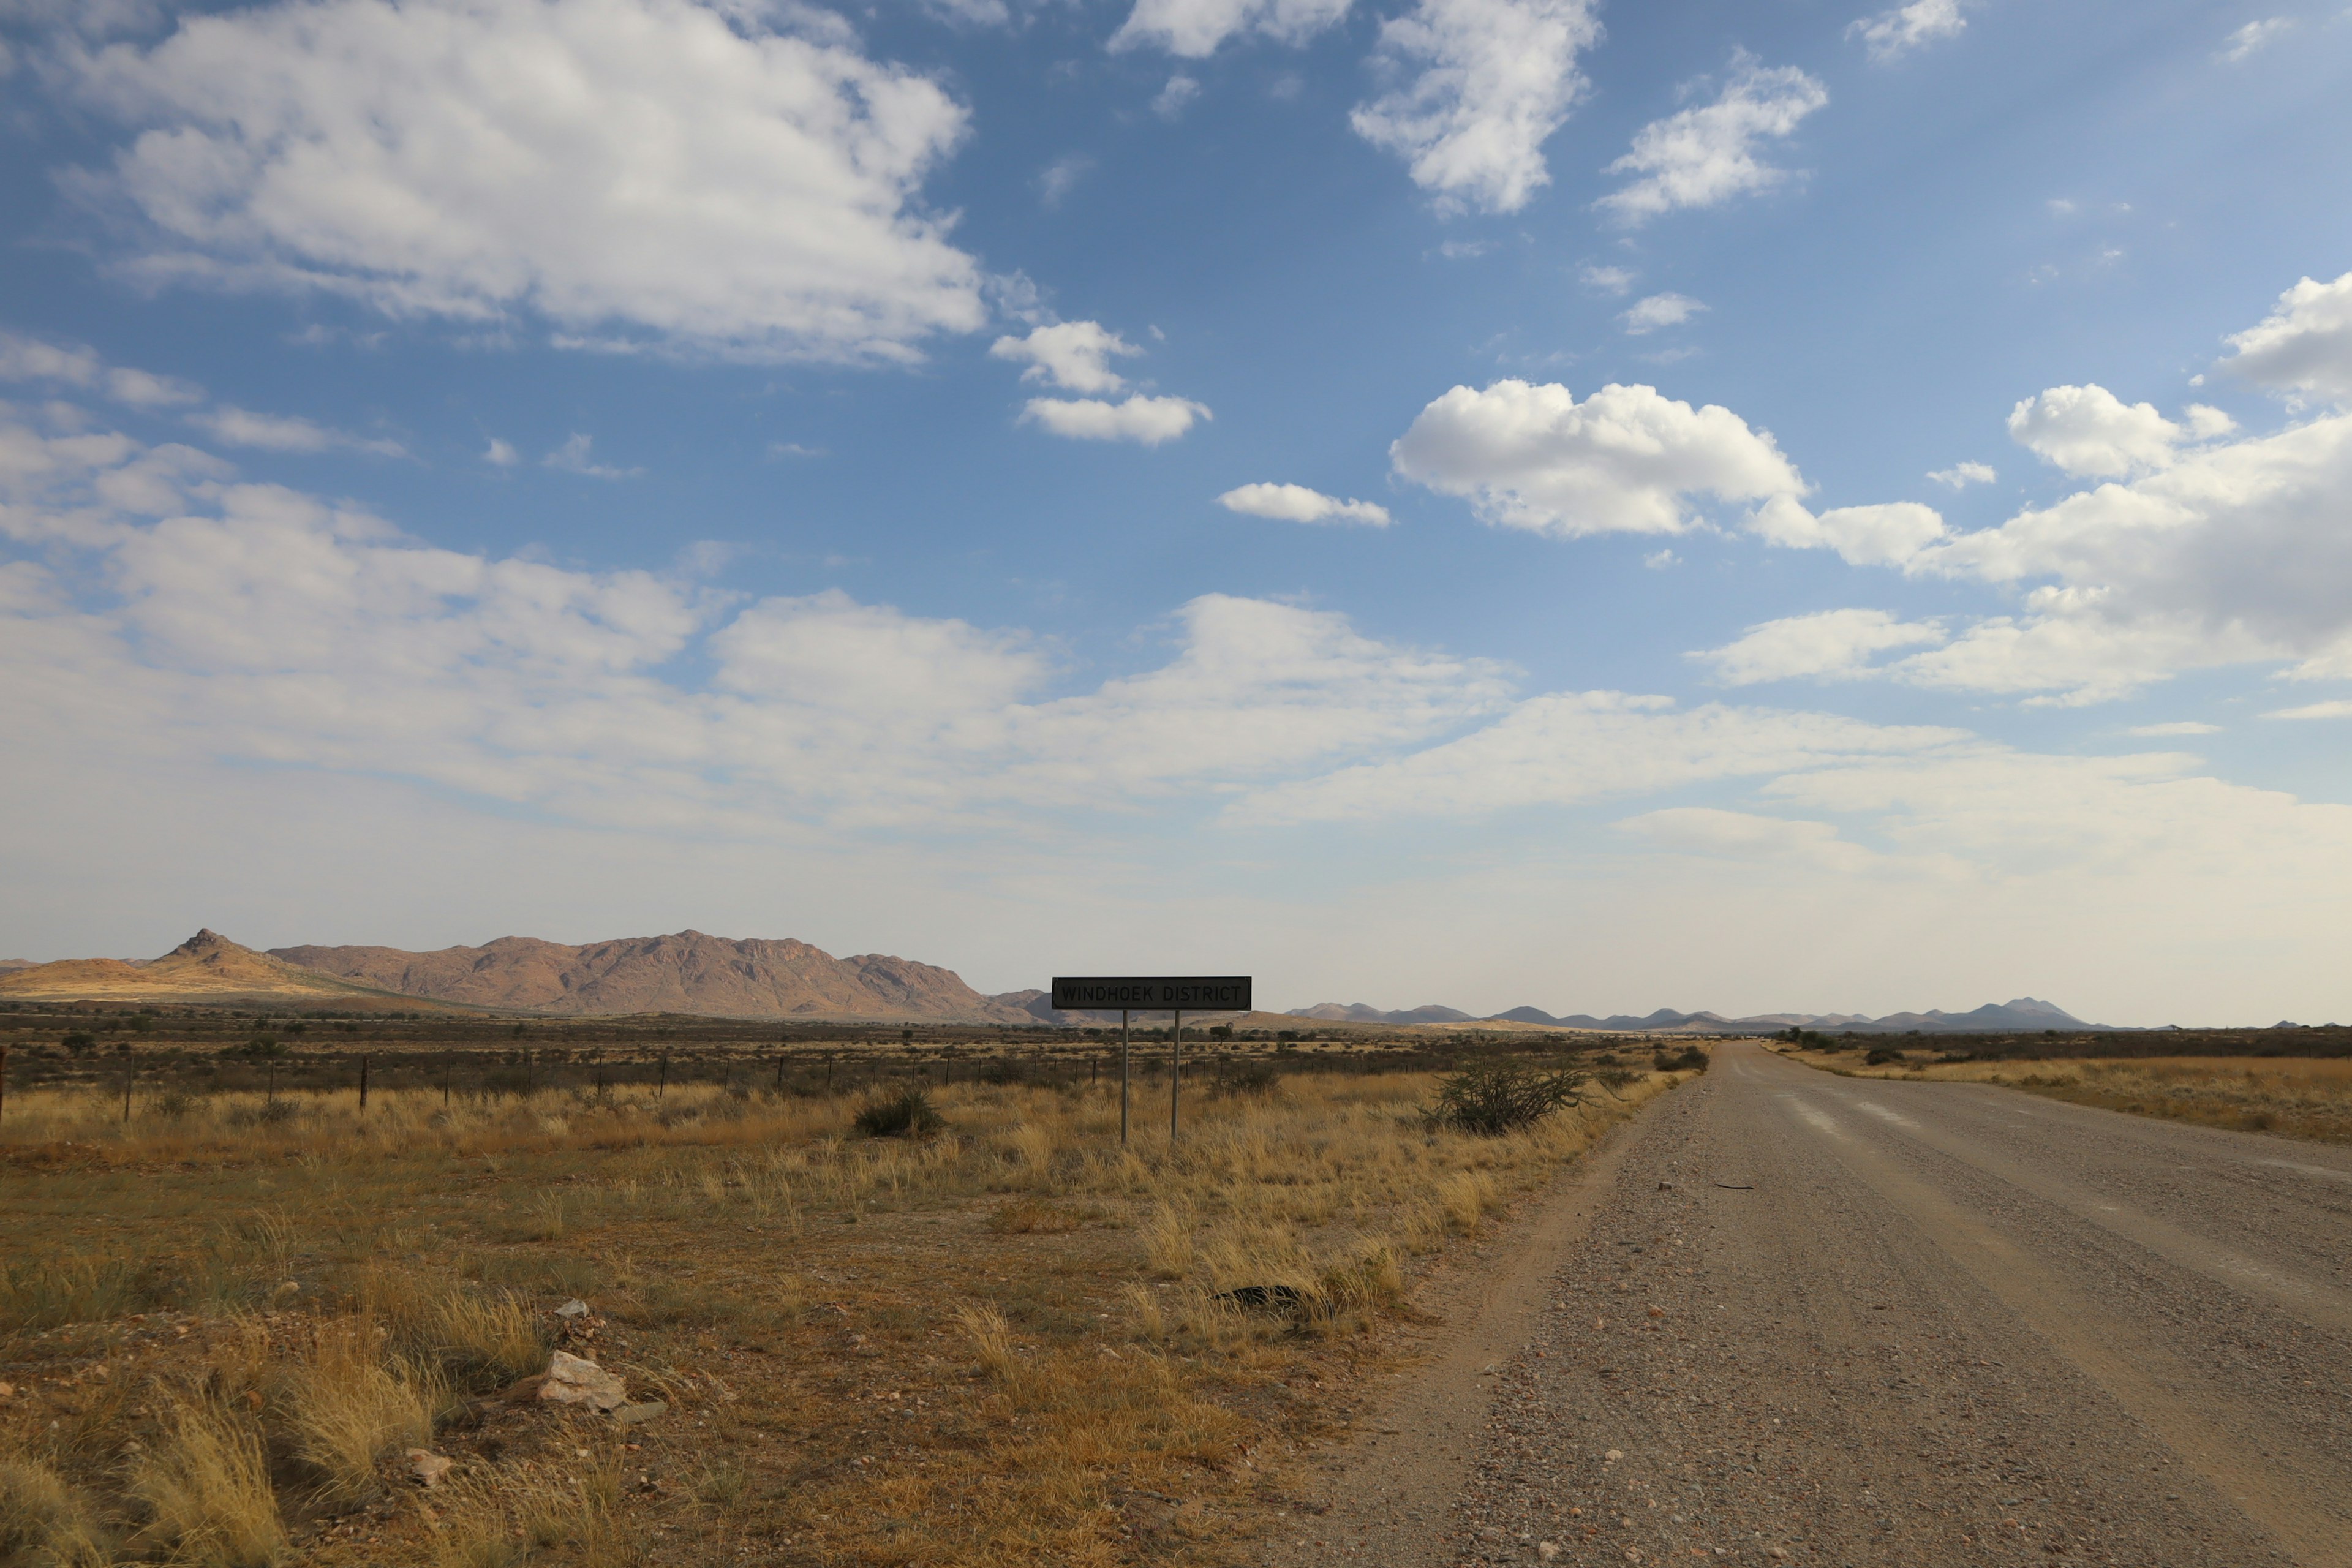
206 1489
44 1522
351 1407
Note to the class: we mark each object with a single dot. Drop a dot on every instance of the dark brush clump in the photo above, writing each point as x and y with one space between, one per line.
1494 1098
905 1114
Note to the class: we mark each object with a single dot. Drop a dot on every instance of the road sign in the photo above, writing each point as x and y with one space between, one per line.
1130 993
1154 994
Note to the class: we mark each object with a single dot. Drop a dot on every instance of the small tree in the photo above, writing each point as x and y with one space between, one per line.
905 1114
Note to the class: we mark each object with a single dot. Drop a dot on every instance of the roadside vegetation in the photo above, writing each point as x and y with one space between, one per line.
900 1324
2301 1096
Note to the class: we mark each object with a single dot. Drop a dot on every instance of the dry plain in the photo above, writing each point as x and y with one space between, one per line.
230 1320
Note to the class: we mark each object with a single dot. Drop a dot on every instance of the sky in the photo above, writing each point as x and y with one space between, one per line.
1775 505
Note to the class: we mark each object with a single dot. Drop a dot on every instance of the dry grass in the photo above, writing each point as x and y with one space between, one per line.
1007 1343
2301 1096
207 1488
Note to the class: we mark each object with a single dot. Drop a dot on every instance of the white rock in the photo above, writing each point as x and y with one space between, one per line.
428 1467
575 1380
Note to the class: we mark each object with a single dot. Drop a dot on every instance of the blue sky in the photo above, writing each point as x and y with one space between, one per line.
1492 501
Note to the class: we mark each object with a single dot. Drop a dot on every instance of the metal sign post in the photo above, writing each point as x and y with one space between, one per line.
1131 994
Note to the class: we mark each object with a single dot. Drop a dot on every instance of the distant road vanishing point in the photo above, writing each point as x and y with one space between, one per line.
1816 1319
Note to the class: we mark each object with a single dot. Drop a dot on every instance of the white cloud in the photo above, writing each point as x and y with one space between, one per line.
575 456
1882 535
1061 176
1193 29
2176 727
1149 421
500 454
1172 99
1626 460
2337 709
1959 476
2231 552
2088 430
1744 836
1648 315
1607 280
631 170
258 624
31 359
1830 644
2252 37
2302 346
1662 560
1703 157
285 432
1491 80
1296 503
1572 747
1891 34
1071 354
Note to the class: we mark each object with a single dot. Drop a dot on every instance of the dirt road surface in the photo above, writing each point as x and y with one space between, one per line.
1790 1317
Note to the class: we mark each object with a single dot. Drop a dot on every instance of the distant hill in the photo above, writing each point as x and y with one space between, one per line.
2022 1014
207 967
685 972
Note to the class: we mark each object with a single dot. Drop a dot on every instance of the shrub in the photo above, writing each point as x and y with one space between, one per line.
1881 1055
1501 1096
1253 1077
206 1488
79 1041
1690 1060
905 1114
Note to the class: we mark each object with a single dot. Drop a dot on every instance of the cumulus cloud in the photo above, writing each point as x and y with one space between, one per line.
1960 476
2334 709
1648 315
1891 34
1607 280
1075 355
1885 534
1148 421
2089 431
1624 460
1490 80
1193 29
2304 346
1296 503
1703 157
632 171
500 454
1832 645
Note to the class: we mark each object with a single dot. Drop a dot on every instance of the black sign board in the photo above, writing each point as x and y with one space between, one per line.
1153 994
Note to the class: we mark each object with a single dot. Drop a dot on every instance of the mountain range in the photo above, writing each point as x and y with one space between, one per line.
712 976
686 973
2022 1014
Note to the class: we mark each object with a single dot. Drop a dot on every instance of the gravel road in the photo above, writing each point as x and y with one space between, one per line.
1818 1320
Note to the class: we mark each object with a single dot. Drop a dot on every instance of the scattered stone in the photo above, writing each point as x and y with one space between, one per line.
638 1414
428 1467
1657 1312
575 1380
1547 1550
575 1308
1614 1454
1666 1186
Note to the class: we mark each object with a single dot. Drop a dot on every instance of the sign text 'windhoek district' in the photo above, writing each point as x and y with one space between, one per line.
1212 994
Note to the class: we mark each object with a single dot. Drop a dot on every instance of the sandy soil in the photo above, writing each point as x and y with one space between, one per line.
1793 1316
